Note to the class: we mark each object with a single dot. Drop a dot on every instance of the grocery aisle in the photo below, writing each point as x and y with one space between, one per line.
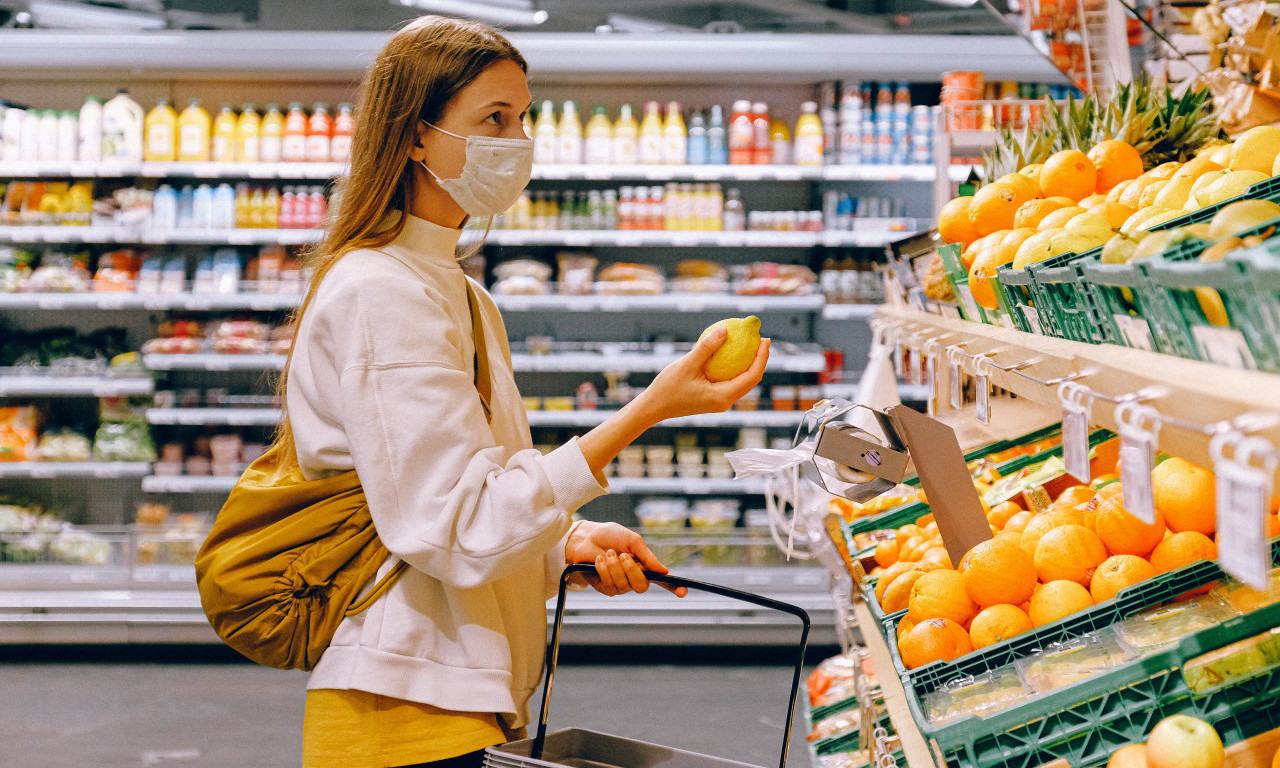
214 712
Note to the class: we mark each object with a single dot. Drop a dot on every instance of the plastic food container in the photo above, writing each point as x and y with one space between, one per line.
659 454
978 696
749 401
1162 627
1246 599
661 471
783 398
663 522
558 403
690 471
714 518
690 455
532 403
1234 662
808 397
1072 661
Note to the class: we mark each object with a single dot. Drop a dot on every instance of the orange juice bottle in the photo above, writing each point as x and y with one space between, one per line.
809 136
248 135
319 134
161 133
193 133
651 135
270 148
344 127
224 136
293 144
626 137
675 137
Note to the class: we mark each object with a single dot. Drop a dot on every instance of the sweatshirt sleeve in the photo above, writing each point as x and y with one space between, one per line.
444 496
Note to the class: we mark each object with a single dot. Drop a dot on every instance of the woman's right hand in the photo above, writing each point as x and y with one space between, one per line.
682 389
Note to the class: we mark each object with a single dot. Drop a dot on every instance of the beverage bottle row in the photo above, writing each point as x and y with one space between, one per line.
247 137
749 137
239 207
110 132
849 281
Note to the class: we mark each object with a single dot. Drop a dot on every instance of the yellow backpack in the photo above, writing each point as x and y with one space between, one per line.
287 557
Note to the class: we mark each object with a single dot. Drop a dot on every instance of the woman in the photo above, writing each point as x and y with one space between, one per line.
386 377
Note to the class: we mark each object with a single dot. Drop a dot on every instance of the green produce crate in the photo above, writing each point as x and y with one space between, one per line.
1013 293
1086 722
1141 314
1057 286
1237 337
958 276
1268 189
1263 267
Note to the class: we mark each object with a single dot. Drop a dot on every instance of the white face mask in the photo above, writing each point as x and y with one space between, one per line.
494 174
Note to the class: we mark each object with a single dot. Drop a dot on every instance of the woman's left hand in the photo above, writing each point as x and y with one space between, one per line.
619 555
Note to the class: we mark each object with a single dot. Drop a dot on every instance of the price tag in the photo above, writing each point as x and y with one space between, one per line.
983 403
52 302
691 305
1243 496
1075 430
953 374
1137 457
970 306
898 363
1224 346
1032 317
931 383
1135 331
915 371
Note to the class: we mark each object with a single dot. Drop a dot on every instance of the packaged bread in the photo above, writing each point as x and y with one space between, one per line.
577 272
701 268
625 279
767 278
935 282
523 277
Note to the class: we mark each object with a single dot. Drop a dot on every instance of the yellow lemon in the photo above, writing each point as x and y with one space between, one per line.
1241 215
1149 194
1256 149
1174 194
1059 218
1233 184
1034 248
735 356
1196 168
1089 220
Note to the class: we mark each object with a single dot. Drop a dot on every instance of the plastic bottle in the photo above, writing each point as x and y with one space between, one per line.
271 148
248 135
780 142
202 207
256 200
224 207
545 135
47 145
186 206
29 138
651 135
317 207
90 149
597 148
344 127
293 141
122 120
741 134
734 216
193 133
11 135
271 209
222 148
319 134
675 138
761 147
68 139
242 205
626 137
569 136
161 132
809 136
697 142
164 208
717 145
902 101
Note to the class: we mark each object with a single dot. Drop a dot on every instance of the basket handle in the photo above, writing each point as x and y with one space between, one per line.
553 650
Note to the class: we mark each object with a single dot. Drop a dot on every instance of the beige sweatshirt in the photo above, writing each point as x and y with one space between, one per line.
381 381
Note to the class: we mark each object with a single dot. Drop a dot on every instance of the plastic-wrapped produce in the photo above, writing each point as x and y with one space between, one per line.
63 444
123 442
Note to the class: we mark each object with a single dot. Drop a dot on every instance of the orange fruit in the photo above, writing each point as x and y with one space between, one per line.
1104 479
1124 534
1131 197
1066 516
1129 756
953 222
983 272
940 595
1018 522
1116 161
1069 173
933 640
996 623
1001 513
906 532
891 573
1055 600
1072 497
1115 213
1032 172
1182 548
887 552
1030 213
998 572
899 592
1116 573
1036 527
924 520
1164 170
1013 537
937 555
1069 552
1028 187
994 206
1186 495
904 626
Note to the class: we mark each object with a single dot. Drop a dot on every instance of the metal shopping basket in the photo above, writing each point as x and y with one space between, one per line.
580 748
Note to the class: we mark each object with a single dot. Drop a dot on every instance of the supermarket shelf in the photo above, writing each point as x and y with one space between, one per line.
188 483
213 362
915 392
848 311
973 140
1187 390
49 470
687 486
258 302
23 385
134 236
586 418
667 302
235 417
164 170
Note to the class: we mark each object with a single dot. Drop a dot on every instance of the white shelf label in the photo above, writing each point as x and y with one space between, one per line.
983 404
1135 331
1243 497
1224 346
1033 319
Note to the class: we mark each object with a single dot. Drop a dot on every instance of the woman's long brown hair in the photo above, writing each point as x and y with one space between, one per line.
420 70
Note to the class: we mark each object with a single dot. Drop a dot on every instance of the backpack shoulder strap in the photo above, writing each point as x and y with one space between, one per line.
483 376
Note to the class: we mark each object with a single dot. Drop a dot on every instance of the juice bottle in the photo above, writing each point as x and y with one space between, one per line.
90 125
741 134
271 209
224 135
697 143
545 136
67 136
271 148
285 219
293 142
675 139
249 135
626 137
569 136
161 130
761 147
597 149
257 215
47 147
780 142
809 136
242 206
344 127
651 136
319 134
193 133
717 145
122 120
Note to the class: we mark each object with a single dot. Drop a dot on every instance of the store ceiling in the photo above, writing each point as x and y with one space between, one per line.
620 16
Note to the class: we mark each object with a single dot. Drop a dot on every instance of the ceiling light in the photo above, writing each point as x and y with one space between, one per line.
502 12
63 15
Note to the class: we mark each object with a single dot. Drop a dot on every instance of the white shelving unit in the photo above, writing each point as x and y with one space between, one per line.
17 383
53 470
231 417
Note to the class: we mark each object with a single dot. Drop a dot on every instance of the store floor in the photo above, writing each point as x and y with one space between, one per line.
185 708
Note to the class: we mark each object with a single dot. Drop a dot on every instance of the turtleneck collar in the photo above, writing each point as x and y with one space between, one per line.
422 237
